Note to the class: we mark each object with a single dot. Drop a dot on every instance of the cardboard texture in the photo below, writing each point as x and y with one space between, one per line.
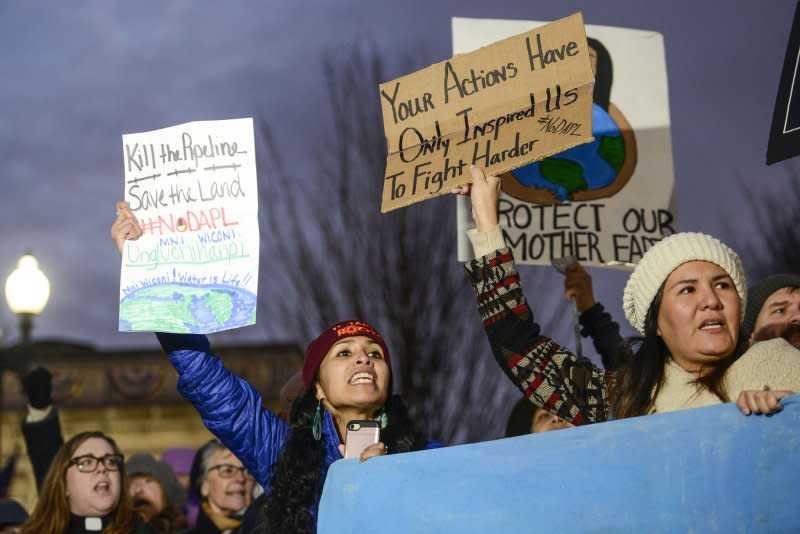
510 103
604 202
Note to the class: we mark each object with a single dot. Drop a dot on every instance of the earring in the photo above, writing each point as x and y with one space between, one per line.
316 424
383 419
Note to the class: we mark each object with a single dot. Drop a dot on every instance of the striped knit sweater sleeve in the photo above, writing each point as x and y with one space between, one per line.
547 373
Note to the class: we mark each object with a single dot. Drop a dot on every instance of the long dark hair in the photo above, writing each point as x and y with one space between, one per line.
604 76
521 418
52 511
300 470
639 382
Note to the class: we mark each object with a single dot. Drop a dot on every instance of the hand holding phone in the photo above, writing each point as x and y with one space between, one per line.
360 435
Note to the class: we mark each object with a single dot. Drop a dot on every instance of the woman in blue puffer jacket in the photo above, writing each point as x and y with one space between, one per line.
346 377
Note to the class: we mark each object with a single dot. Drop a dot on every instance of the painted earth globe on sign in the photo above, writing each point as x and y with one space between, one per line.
586 172
186 308
590 171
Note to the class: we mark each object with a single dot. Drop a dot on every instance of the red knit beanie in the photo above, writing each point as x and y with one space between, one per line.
317 349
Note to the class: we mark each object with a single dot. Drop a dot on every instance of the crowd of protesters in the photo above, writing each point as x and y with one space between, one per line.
702 342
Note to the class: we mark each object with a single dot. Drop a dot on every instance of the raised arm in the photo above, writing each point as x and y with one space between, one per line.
595 321
547 373
230 407
41 427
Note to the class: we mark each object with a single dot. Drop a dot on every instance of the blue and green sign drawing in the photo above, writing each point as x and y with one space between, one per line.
192 188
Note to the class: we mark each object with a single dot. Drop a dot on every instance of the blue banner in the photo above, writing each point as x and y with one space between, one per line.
702 470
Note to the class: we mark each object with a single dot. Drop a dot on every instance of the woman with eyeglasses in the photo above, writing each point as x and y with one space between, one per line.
82 489
224 488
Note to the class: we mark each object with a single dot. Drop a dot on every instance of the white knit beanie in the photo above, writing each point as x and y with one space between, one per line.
666 256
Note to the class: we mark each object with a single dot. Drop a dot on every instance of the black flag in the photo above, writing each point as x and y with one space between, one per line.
784 136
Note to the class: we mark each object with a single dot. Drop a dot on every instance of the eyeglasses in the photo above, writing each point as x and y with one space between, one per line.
89 463
230 471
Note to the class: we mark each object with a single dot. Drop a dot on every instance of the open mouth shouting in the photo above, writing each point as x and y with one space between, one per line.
712 325
103 487
362 377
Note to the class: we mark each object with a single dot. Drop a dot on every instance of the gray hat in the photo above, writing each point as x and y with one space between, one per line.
146 464
760 292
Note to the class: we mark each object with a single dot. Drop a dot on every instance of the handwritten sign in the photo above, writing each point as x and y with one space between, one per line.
193 189
500 107
604 202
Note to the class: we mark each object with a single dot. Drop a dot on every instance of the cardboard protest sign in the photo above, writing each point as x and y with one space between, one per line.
193 189
515 101
604 202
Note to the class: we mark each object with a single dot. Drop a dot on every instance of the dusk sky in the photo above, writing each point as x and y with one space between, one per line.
78 75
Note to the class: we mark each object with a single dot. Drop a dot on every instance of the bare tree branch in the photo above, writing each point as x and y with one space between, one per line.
340 258
776 249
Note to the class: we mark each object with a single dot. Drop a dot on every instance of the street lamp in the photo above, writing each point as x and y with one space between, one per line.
27 292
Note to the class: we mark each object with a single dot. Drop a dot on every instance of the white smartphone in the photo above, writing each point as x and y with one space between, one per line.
360 435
